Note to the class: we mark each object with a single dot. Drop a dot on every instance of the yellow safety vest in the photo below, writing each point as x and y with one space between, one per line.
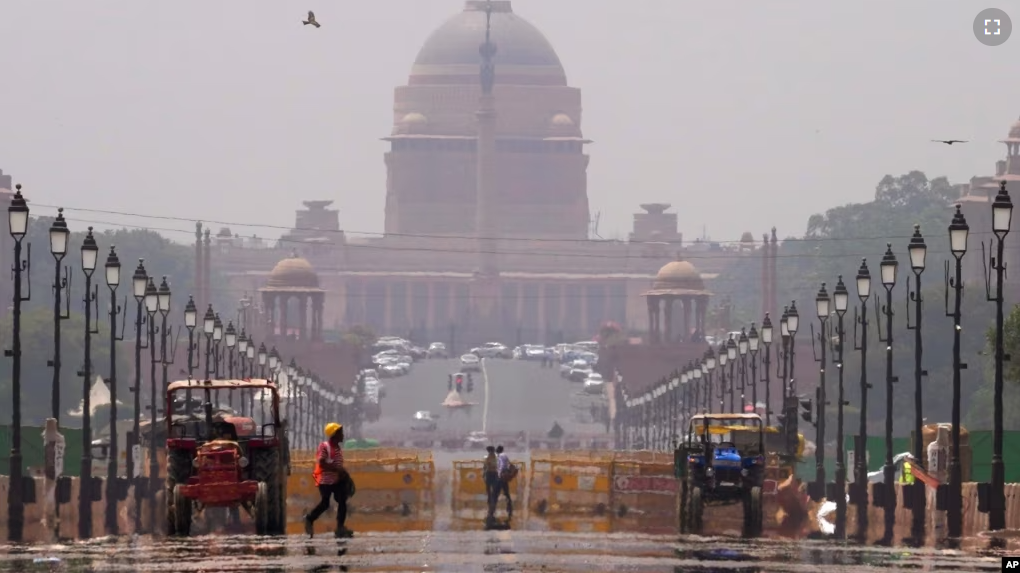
907 476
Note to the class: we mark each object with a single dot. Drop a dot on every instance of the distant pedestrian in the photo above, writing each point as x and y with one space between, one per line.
506 474
491 471
332 480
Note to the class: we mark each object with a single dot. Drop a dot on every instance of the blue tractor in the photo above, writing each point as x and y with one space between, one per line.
722 462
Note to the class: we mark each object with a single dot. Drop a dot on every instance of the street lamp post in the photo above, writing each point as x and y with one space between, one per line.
208 323
860 446
887 269
710 362
724 357
841 300
792 325
151 308
753 342
959 232
112 282
918 251
163 295
250 355
731 359
217 337
784 334
17 217
822 304
262 357
1002 213
89 257
742 346
58 247
766 339
139 281
242 352
231 339
190 322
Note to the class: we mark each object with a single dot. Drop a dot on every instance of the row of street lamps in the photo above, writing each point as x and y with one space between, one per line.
650 419
310 401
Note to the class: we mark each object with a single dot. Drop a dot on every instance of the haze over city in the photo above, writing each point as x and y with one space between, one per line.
230 112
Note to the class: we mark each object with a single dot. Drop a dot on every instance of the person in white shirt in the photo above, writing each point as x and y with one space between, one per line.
502 465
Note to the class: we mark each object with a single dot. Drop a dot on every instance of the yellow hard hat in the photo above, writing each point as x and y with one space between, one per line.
332 428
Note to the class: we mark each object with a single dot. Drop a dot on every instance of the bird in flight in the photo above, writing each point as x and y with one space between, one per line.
311 20
948 141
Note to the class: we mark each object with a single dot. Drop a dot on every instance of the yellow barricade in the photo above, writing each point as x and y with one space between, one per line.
394 490
469 485
570 482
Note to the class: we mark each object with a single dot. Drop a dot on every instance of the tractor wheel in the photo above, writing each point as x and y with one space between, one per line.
180 513
753 514
262 509
697 505
269 469
684 508
178 466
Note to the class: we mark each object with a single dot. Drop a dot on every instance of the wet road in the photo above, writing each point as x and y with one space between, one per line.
510 396
477 551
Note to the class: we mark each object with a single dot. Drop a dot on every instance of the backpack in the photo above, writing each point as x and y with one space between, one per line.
509 473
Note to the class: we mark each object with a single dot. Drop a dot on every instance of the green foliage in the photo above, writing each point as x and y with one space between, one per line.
360 335
981 407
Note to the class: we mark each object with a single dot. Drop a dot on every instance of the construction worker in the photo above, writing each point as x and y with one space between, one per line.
490 467
906 474
332 480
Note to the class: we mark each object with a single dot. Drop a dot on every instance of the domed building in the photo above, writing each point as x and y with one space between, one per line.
539 166
487 211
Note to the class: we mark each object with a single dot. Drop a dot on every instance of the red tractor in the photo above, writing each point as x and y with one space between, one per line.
226 461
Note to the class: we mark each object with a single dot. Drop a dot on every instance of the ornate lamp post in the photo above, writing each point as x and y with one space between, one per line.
731 359
888 268
784 334
208 324
918 251
191 322
242 353
792 325
822 304
58 247
766 339
89 258
742 346
752 346
959 232
861 446
262 359
1002 214
163 295
217 338
841 300
710 363
724 357
231 340
112 282
151 308
17 217
139 282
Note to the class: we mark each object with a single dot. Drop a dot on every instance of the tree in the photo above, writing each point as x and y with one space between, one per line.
981 408
360 335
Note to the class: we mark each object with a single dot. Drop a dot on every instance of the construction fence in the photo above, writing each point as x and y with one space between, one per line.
394 490
636 485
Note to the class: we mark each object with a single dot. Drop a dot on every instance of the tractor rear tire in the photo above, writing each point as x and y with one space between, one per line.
262 509
269 469
753 513
179 513
695 522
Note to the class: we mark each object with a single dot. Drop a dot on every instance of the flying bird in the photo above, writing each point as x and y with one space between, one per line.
311 20
948 141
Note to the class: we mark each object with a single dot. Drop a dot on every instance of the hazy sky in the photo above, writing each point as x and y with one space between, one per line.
741 114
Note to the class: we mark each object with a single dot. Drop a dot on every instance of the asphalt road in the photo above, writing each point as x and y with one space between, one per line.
509 396
477 551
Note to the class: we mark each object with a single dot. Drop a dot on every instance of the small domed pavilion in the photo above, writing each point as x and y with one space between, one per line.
294 278
677 281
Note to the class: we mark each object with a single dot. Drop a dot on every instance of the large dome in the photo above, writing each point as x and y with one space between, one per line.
524 56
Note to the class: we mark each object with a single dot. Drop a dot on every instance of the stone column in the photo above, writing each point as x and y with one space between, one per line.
388 312
318 304
653 335
688 303
668 338
283 300
302 300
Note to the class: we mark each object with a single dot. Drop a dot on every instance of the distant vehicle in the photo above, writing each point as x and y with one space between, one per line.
470 362
530 352
437 350
417 352
589 345
579 372
424 421
492 350
594 384
476 440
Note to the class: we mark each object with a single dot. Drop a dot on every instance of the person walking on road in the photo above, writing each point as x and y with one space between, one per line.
332 480
491 469
503 468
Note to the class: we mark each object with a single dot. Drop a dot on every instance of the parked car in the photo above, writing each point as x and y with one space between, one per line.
580 373
594 384
492 350
470 363
424 421
476 440
437 350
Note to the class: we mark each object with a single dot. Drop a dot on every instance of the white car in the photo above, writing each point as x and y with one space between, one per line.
476 440
594 384
470 362
492 350
424 421
437 350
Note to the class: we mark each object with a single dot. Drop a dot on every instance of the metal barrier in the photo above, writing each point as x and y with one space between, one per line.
469 485
394 490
